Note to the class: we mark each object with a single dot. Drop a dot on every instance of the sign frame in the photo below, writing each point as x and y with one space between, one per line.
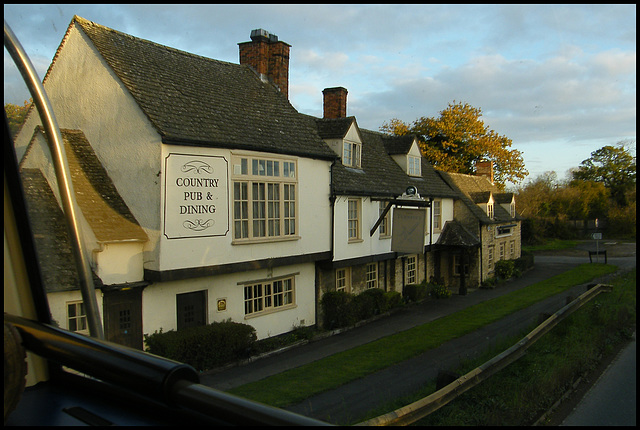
196 196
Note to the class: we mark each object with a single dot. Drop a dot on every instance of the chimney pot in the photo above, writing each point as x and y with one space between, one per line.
268 57
258 33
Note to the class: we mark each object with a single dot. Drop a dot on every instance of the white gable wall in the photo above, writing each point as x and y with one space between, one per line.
86 95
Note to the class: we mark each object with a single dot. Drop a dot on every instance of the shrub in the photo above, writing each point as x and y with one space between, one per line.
338 309
415 292
393 299
524 262
364 306
489 283
378 300
439 291
206 346
341 309
622 221
504 269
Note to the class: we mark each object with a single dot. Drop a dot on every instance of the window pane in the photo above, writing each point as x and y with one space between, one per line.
347 161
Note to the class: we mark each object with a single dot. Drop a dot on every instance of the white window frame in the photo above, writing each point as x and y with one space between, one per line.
385 225
436 210
268 296
414 167
490 210
411 270
351 154
343 279
354 220
265 199
372 276
77 320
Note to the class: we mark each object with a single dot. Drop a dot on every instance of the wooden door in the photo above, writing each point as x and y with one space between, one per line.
191 309
123 317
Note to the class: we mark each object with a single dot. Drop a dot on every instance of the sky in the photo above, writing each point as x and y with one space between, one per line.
558 80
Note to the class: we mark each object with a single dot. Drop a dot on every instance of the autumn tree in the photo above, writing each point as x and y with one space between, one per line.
458 138
16 115
613 166
534 200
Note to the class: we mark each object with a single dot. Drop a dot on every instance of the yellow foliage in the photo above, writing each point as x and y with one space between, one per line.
458 138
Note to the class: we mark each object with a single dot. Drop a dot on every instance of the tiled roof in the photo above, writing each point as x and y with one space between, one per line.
380 176
455 234
196 100
101 204
398 144
334 128
51 237
503 197
477 189
479 196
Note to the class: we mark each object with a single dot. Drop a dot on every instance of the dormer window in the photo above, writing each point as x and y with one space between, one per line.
513 209
351 154
413 168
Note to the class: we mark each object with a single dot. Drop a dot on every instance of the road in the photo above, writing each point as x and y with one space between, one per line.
611 401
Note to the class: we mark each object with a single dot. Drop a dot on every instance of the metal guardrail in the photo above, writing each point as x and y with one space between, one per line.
63 177
166 381
415 411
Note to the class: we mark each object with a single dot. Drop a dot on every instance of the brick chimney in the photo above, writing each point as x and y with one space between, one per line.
268 57
485 168
335 102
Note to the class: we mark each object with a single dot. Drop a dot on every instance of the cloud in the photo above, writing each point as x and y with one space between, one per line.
540 73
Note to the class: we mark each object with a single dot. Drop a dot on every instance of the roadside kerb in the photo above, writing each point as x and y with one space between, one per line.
415 411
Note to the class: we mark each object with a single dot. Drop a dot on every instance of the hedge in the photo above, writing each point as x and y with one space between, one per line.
206 346
341 309
415 292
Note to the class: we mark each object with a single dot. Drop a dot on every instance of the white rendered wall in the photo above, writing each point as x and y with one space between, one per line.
159 301
119 262
314 220
86 95
58 305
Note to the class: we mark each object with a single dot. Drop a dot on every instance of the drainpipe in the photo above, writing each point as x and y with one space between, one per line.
332 201
481 259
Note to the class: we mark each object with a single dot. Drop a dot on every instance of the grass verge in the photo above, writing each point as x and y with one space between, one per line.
551 245
297 384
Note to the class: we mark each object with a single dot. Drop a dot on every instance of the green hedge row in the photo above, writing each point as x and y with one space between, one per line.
341 309
206 346
417 292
